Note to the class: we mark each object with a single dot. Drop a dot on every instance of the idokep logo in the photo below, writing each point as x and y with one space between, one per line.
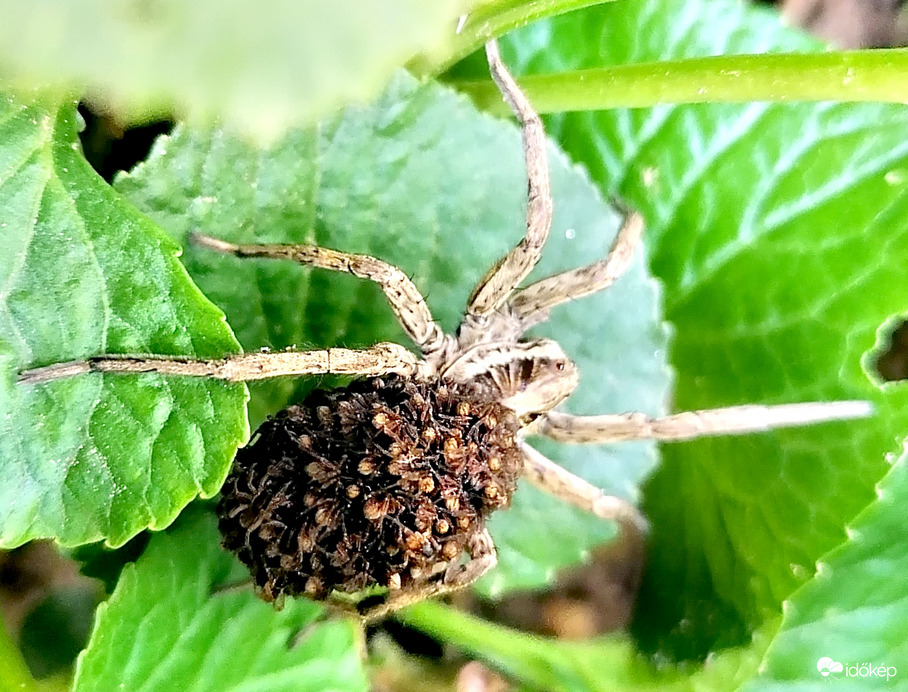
827 666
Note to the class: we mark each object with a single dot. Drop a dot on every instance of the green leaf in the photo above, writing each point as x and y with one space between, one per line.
774 229
855 610
425 182
259 68
82 273
167 627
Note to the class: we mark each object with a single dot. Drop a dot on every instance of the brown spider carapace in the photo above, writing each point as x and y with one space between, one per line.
388 482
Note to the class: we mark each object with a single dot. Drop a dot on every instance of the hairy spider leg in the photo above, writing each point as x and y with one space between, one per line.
405 300
531 305
557 481
733 420
380 359
501 280
459 575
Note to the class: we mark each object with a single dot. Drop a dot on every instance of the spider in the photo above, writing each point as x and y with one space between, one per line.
388 482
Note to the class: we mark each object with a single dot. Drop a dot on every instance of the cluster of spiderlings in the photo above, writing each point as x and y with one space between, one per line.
383 482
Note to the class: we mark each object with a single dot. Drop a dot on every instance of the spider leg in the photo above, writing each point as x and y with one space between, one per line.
531 304
458 576
509 271
692 424
380 359
548 476
406 301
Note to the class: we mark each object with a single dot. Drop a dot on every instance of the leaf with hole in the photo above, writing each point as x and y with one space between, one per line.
775 230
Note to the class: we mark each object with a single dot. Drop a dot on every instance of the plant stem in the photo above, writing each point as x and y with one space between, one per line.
865 75
607 662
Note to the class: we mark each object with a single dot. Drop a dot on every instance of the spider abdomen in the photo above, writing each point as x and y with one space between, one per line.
383 482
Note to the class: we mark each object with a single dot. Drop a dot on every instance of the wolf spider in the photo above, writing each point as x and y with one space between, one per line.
488 360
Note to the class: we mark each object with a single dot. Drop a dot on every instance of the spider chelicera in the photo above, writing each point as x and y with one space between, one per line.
388 482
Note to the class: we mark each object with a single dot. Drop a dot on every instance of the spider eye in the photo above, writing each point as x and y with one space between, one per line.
559 365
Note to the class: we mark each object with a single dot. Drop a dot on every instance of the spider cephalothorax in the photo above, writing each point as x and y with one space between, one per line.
388 481
529 377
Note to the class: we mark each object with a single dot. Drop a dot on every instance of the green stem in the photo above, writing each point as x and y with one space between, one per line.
608 662
487 19
14 674
865 75
603 663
